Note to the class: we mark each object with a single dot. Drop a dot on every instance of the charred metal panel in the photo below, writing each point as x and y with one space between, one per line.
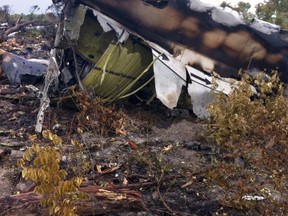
19 70
217 34
195 45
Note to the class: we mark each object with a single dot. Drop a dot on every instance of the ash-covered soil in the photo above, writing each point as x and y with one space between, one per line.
166 165
162 157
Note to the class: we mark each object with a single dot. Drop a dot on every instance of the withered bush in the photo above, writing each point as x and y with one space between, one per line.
250 127
255 117
97 116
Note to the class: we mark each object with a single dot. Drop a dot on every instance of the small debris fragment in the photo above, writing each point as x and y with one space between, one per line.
168 148
253 198
132 145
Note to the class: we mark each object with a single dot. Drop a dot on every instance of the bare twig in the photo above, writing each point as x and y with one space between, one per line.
160 195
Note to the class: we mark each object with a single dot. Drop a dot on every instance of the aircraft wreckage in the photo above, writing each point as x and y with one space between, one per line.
116 47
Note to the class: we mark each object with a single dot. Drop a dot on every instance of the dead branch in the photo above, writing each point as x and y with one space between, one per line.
21 204
160 195
17 27
101 202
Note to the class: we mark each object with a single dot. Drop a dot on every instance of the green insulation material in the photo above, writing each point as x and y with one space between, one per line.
118 69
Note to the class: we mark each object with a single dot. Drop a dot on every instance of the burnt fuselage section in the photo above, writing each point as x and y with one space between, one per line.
221 36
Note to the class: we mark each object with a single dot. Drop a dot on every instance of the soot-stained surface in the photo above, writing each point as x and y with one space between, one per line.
208 30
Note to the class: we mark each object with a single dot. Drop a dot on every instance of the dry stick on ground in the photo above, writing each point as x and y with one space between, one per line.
17 27
160 195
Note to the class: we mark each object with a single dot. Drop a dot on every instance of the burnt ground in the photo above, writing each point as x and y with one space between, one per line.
161 156
166 165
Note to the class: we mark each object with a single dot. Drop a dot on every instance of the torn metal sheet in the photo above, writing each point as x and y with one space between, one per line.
20 70
201 88
3 26
73 25
168 84
193 44
107 26
110 62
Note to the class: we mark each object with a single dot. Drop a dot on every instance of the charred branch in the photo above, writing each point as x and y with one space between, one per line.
101 202
18 26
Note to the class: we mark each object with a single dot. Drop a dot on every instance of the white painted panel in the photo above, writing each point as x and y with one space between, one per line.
202 91
168 84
